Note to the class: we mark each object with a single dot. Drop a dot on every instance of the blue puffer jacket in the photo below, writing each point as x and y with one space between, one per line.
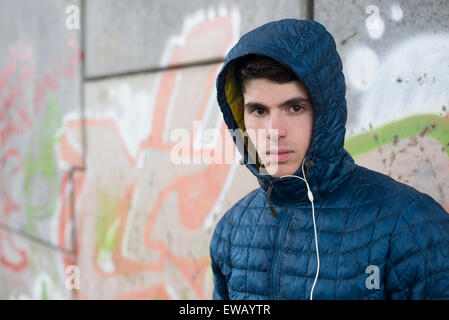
377 238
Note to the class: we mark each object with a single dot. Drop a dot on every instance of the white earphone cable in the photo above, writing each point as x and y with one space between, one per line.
310 196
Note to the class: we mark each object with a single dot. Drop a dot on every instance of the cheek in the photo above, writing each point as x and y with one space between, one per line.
307 124
253 127
310 127
301 131
251 122
257 133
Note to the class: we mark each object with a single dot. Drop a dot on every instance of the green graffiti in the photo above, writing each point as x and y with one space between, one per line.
40 169
107 223
48 286
44 294
419 125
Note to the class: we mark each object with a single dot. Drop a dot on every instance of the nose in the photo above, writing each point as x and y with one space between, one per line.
276 126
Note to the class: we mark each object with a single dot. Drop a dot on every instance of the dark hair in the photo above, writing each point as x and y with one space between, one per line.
254 66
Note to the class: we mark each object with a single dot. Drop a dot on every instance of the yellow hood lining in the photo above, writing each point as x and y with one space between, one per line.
234 98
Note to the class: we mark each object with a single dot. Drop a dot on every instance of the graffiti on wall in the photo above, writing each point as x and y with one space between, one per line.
404 105
143 223
30 118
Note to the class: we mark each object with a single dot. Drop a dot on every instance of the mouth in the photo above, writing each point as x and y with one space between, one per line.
280 156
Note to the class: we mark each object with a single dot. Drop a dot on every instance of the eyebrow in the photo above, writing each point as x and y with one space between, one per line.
283 104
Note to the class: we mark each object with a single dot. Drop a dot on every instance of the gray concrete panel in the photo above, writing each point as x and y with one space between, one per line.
134 35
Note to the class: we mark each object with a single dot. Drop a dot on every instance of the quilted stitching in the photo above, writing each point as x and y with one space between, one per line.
363 217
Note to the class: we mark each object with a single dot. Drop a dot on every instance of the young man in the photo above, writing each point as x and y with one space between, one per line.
319 226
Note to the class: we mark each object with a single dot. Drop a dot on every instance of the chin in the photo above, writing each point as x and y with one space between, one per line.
281 169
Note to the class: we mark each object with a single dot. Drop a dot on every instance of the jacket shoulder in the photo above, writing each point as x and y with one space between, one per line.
386 183
233 215
413 206
366 188
424 224
418 254
418 246
220 241
419 251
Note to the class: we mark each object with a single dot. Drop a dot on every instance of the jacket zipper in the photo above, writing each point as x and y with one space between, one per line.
280 237
276 275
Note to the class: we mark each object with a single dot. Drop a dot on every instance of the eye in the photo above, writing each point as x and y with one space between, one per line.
296 108
258 111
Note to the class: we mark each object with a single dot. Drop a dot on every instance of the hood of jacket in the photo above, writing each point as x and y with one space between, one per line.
310 51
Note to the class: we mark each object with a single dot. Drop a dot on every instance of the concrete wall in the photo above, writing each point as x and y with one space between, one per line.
86 116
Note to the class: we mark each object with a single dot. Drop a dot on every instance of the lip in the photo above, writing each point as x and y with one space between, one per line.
280 155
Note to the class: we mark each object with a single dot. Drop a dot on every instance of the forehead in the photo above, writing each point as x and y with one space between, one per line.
268 91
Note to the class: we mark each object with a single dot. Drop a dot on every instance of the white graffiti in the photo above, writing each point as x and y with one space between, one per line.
409 79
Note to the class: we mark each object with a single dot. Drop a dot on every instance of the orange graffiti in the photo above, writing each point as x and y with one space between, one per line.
197 192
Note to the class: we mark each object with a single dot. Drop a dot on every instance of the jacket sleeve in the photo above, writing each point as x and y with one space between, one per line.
419 252
218 255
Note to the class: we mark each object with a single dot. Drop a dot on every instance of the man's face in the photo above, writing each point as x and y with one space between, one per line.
279 121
